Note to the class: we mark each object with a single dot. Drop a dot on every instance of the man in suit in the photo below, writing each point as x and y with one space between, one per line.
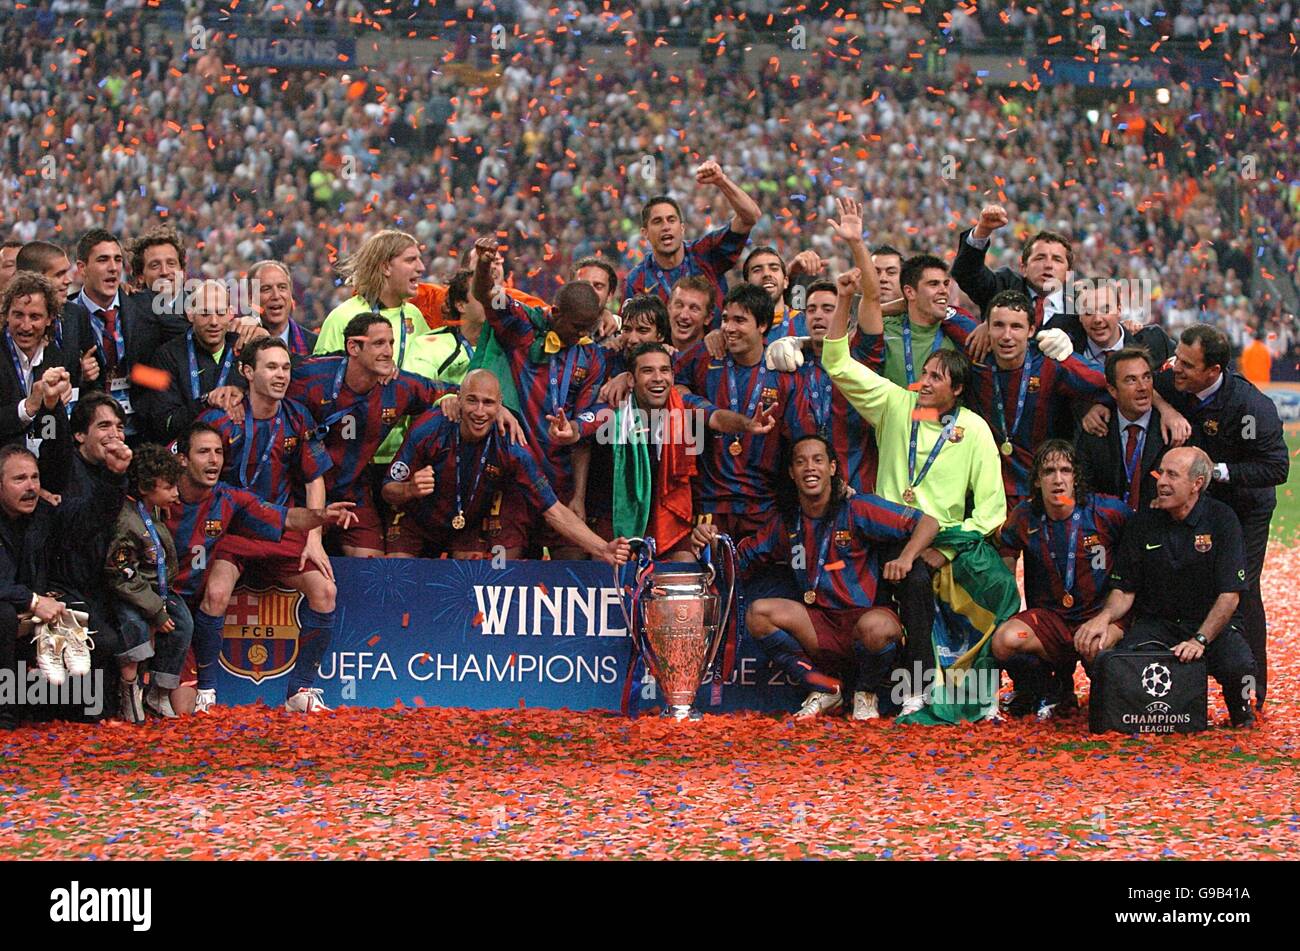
106 329
1100 306
1045 261
1238 426
200 367
274 288
1122 462
34 380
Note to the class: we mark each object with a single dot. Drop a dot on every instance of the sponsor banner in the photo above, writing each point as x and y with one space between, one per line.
1286 396
318 52
448 633
1144 74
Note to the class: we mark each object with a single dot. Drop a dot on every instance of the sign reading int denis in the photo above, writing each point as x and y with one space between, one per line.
448 633
320 52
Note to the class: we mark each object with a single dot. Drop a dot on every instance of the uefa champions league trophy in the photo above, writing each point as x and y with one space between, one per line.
679 624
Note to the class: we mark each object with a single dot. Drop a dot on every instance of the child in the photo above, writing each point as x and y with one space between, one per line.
153 620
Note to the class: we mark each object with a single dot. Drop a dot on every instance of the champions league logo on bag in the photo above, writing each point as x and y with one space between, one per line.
260 638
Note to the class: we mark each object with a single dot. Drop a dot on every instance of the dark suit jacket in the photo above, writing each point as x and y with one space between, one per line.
55 421
140 334
981 285
166 414
1102 460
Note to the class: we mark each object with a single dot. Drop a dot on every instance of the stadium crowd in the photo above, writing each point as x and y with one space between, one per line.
854 365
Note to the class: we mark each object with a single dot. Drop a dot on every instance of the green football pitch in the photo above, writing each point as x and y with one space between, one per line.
1286 519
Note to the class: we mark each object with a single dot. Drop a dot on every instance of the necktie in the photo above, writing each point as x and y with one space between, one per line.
109 316
1134 431
1039 302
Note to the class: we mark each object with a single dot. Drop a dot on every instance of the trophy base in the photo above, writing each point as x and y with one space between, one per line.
681 711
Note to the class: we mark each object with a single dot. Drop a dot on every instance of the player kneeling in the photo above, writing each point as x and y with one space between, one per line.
832 543
1069 538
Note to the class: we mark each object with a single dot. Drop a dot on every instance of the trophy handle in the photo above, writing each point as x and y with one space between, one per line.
644 567
731 564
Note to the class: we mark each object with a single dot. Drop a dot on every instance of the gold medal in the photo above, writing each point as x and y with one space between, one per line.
809 597
1068 600
458 521
1005 448
735 448
909 495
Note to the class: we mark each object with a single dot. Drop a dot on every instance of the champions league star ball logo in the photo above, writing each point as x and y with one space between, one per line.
1156 680
399 472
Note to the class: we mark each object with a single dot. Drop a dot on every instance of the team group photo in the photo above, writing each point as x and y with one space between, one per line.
649 430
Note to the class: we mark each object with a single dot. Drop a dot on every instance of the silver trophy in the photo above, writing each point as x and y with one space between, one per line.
679 628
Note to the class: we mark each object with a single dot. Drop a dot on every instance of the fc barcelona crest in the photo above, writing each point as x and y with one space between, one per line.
958 434
389 414
260 639
212 528
1034 383
1204 543
1211 427
843 539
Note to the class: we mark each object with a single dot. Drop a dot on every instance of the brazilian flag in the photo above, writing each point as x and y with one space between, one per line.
974 594
489 356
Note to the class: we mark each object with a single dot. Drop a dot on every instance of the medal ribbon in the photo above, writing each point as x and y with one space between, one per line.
908 364
999 402
1072 548
822 539
250 436
913 478
482 461
159 556
226 361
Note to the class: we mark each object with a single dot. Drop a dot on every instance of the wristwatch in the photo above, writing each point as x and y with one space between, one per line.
1200 639
36 599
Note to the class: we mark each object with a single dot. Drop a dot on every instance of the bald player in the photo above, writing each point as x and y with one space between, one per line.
449 478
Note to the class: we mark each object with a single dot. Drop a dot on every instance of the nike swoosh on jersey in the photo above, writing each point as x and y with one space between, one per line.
1150 547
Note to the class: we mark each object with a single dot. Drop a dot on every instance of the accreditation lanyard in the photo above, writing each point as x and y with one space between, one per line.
1132 467
478 475
914 478
97 324
323 428
908 364
24 376
222 374
159 556
1072 548
561 378
822 531
250 437
401 328
999 403
733 388
819 383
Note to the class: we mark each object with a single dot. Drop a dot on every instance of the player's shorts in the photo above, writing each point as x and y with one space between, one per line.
1055 633
366 532
835 626
264 562
502 526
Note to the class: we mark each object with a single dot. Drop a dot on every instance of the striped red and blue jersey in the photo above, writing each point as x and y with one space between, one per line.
850 434
517 328
198 526
848 575
351 445
786 322
712 256
295 459
1049 382
433 441
1046 543
747 482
